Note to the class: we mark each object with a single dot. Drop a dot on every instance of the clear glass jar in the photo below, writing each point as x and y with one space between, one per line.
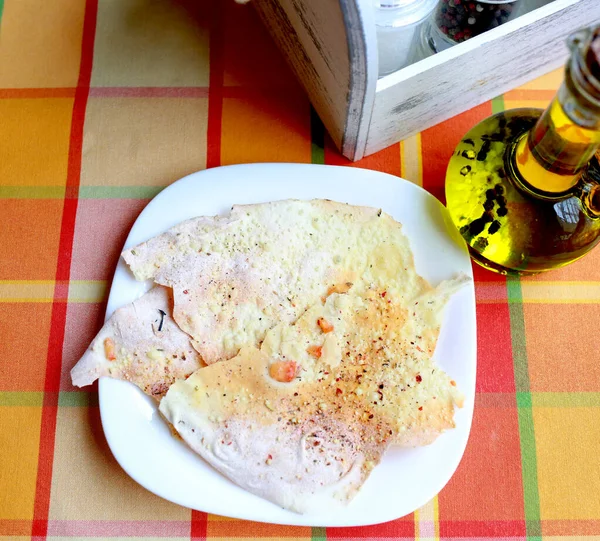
398 23
460 20
431 40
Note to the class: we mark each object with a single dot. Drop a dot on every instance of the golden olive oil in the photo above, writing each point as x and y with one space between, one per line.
510 227
523 185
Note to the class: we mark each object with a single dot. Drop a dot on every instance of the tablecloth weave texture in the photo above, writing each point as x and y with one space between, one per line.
105 102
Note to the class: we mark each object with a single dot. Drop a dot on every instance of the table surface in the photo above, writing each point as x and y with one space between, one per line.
105 102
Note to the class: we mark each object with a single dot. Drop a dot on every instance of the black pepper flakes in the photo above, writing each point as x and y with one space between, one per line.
162 319
483 151
481 244
494 227
476 227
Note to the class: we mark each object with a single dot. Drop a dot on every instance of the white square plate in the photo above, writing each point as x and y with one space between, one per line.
406 478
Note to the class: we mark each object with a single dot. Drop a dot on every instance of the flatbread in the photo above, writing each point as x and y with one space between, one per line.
235 277
145 344
363 378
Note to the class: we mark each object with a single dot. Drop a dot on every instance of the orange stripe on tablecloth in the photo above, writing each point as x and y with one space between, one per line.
28 93
59 309
438 144
570 527
527 94
215 95
14 527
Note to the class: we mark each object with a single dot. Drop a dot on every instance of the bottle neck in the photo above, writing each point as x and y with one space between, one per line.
554 154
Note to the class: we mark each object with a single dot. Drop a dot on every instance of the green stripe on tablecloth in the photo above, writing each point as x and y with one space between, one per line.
21 398
497 105
77 399
36 398
1 10
317 138
523 396
32 192
525 414
319 534
85 192
559 400
119 192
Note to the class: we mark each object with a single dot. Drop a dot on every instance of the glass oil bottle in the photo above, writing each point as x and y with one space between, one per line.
523 186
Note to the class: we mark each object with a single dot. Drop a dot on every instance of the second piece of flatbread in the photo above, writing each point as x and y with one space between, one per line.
140 343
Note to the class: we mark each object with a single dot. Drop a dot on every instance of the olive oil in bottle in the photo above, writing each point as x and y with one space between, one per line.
522 186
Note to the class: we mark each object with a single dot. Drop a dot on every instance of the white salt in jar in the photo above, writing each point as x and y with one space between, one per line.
398 23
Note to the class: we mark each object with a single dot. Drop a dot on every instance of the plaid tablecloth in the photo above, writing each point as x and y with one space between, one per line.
105 102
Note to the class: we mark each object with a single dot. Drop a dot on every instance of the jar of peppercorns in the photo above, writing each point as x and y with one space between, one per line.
398 24
459 20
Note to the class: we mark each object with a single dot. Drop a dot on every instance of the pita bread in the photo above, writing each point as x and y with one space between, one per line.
235 277
140 343
363 378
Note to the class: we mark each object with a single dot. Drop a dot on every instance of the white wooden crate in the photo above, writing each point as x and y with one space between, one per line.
332 47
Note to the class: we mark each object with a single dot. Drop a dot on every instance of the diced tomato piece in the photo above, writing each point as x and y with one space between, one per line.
324 325
109 349
315 351
283 371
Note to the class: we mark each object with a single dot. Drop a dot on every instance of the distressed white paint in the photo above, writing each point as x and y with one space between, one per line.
332 47
468 74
